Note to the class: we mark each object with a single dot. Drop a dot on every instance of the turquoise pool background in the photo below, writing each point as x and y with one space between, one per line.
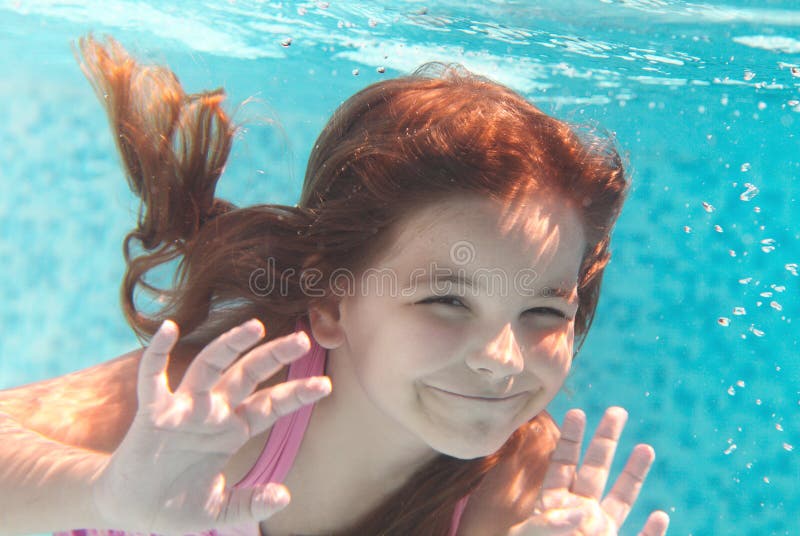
703 101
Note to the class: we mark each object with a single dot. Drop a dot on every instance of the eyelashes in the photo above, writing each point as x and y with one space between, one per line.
449 299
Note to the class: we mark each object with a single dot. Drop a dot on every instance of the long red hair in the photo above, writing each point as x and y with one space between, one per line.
394 146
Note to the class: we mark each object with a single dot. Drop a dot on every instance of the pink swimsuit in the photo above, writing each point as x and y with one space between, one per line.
278 455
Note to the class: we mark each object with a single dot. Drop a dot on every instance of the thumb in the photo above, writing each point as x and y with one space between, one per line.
251 505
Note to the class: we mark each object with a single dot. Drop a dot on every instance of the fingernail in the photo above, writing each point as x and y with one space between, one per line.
252 325
320 384
168 327
302 340
279 497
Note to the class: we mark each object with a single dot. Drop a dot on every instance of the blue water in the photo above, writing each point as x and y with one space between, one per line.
701 97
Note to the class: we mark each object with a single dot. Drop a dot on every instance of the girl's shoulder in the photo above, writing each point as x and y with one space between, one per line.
507 494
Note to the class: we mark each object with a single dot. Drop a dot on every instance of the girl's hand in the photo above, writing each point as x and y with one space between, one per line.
572 503
166 475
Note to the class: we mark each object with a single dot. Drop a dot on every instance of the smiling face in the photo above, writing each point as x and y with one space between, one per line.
460 334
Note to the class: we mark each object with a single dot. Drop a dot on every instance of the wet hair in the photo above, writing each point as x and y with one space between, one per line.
390 149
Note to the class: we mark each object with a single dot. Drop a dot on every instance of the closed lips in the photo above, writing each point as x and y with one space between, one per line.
471 397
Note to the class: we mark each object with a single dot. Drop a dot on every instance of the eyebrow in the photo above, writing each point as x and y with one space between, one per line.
460 278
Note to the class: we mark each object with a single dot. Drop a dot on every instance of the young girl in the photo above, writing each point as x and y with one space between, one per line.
425 293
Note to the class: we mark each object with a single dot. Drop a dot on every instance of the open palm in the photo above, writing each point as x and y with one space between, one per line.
166 474
571 500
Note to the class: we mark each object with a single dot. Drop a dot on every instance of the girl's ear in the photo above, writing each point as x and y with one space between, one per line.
326 324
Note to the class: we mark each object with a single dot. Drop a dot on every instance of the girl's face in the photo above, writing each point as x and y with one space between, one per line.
464 330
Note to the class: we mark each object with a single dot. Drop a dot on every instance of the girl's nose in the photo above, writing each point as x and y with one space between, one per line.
500 358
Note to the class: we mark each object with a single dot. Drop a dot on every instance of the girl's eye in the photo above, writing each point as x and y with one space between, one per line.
448 300
548 311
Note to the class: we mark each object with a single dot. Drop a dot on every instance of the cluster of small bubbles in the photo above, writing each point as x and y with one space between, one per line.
344 24
687 229
708 207
792 268
750 193
767 245
722 321
286 42
739 311
718 228
749 75
775 305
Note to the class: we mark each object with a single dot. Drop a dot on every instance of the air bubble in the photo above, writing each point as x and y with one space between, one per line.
750 193
756 332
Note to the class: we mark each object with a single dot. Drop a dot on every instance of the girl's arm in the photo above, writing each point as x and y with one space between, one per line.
56 434
45 485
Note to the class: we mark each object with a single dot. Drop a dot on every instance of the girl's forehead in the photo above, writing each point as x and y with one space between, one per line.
543 231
